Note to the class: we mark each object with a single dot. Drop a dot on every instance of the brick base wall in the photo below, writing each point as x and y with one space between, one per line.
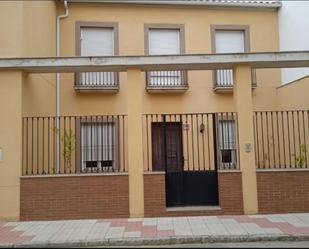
74 197
230 196
283 191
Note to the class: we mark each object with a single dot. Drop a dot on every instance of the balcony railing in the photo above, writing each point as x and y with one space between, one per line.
97 81
166 80
74 144
223 79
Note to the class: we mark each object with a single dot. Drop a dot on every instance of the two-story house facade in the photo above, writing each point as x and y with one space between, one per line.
165 142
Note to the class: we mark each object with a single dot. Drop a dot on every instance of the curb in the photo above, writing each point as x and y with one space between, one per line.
161 241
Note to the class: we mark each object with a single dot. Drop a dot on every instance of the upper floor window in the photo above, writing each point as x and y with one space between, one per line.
228 42
229 39
97 40
165 41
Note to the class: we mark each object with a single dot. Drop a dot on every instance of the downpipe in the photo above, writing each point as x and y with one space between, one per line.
58 111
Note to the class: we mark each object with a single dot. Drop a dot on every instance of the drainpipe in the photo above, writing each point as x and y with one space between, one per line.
65 15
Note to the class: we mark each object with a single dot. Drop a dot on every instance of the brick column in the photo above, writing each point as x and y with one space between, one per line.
135 88
244 108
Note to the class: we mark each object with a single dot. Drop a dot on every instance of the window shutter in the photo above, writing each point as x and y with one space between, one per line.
227 134
98 144
228 42
97 42
162 42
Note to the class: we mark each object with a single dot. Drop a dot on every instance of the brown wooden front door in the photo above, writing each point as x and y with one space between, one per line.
167 147
167 155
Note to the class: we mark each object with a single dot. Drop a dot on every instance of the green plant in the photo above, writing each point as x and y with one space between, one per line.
68 142
301 159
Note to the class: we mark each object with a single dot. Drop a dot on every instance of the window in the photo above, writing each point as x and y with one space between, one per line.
97 41
164 42
227 143
228 42
98 146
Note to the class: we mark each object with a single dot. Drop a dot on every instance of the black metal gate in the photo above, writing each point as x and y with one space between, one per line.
185 186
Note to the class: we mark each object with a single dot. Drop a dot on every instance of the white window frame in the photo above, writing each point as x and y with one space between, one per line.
86 80
165 78
98 131
227 141
224 77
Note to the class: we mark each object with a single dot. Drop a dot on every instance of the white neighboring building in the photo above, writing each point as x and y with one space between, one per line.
294 34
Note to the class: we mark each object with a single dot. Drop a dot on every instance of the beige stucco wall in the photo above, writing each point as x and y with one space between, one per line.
39 39
31 32
200 97
11 35
294 95
27 28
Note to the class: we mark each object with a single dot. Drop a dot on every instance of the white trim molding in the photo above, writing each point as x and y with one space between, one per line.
207 3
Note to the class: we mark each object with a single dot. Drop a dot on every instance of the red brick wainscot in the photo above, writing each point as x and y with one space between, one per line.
74 197
283 191
230 196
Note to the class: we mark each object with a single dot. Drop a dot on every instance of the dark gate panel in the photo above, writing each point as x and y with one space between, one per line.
201 188
174 189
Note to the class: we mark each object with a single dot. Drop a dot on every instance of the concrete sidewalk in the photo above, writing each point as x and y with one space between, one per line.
155 231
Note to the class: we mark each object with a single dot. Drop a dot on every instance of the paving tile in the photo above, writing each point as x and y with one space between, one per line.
216 229
165 227
295 221
135 220
47 232
22 226
272 231
215 226
81 231
165 234
149 231
64 232
183 232
252 228
211 219
133 226
136 234
233 227
180 220
275 218
35 229
115 233
200 230
150 221
98 231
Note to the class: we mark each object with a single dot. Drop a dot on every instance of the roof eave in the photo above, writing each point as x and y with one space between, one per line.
215 3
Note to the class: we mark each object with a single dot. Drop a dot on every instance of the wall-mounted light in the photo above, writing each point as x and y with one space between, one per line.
1 154
202 128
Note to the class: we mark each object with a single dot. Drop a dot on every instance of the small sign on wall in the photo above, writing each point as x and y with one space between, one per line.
248 148
1 154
